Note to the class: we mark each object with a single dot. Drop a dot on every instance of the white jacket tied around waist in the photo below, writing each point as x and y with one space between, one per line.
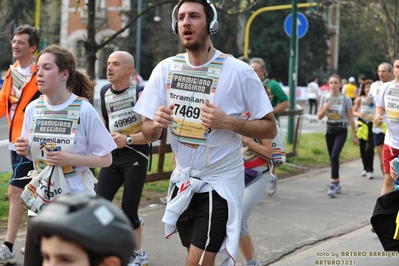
226 177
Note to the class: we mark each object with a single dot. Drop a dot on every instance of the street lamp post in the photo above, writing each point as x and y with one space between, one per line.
37 19
334 9
292 73
37 14
336 44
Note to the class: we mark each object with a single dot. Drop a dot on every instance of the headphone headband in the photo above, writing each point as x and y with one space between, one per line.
213 26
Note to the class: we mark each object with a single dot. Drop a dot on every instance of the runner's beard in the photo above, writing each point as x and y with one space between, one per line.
197 46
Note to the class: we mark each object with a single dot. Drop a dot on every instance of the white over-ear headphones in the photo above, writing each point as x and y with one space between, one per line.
213 24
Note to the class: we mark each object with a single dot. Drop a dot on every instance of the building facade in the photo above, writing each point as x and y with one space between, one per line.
108 20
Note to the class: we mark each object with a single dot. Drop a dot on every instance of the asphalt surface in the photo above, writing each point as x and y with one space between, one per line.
299 225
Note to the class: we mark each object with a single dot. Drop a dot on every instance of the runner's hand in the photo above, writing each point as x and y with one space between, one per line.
22 146
163 117
213 117
120 139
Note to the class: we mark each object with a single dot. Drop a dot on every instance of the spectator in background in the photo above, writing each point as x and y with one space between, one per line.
19 89
364 110
279 102
350 89
343 87
361 78
130 159
255 153
386 111
313 94
137 78
324 88
278 97
338 109
385 75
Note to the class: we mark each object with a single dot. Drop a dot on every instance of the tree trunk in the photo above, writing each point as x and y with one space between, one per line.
90 43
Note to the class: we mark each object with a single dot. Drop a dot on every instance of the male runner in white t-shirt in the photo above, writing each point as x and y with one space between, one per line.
200 97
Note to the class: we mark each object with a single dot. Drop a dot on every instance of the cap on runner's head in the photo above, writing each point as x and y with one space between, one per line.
352 79
95 224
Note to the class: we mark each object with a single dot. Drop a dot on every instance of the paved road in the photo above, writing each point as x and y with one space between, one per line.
296 226
359 247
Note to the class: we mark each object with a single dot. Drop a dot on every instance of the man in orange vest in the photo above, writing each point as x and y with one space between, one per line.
19 89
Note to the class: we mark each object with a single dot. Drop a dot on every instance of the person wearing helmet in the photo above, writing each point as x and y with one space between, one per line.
80 229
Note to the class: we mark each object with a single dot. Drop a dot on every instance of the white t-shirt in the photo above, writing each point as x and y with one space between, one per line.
239 90
343 89
375 88
91 138
391 137
313 90
338 112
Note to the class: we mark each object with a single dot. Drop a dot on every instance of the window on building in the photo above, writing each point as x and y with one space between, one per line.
80 54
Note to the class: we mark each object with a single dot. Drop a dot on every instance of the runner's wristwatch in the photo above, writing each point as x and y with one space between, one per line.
129 140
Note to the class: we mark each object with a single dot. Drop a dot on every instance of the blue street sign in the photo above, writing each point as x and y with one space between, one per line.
302 25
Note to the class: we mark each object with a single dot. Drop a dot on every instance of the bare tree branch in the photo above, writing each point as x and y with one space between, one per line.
131 21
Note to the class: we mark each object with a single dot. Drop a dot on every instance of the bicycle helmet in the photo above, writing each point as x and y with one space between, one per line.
95 224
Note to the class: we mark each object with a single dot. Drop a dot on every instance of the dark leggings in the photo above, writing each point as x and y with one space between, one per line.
335 143
312 102
129 169
367 150
367 154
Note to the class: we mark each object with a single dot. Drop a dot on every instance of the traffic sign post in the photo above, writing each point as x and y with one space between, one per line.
302 25
295 26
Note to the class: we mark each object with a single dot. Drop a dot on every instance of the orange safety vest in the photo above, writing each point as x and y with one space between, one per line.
29 93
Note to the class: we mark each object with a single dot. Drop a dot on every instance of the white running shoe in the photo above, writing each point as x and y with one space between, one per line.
6 256
364 173
272 187
164 200
139 260
370 175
